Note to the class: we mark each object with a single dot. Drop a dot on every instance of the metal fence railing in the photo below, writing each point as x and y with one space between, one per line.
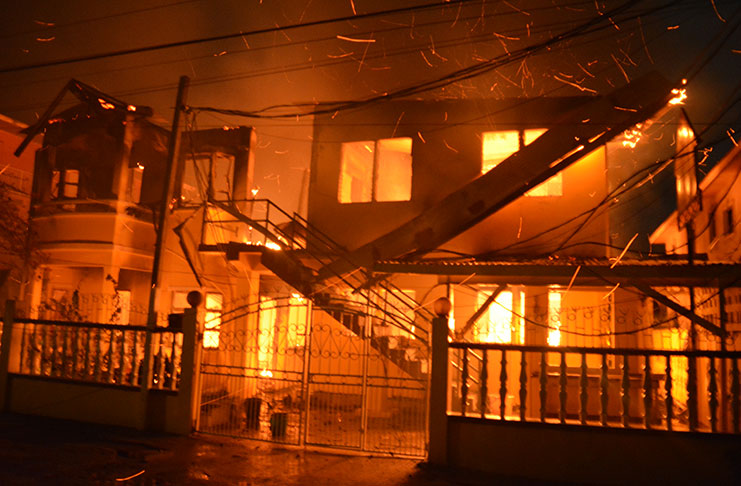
95 353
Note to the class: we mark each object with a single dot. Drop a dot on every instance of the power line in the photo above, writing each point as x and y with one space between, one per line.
309 65
201 40
75 23
456 76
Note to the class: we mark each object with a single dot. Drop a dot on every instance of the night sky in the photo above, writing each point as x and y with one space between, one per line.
359 58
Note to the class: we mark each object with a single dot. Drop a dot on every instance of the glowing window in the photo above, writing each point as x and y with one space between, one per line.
212 321
495 326
497 146
554 185
378 171
581 318
551 187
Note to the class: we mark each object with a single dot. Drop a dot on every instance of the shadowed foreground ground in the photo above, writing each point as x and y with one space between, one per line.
39 451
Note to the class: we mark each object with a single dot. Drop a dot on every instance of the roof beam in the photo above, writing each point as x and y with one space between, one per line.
661 298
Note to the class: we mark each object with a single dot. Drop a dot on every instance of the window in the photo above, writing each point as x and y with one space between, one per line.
65 184
212 321
495 326
497 146
503 321
207 175
582 318
728 222
135 183
379 171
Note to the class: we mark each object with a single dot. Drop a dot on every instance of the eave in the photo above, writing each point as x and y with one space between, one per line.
631 273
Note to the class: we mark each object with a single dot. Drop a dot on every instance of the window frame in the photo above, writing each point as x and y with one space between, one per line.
377 160
61 181
728 221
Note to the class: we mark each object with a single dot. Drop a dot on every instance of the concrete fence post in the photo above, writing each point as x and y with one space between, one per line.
438 418
6 351
189 366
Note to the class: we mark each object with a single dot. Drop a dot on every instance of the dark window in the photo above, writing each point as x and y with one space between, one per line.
207 175
728 222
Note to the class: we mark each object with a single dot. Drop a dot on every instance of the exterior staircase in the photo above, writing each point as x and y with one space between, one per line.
295 251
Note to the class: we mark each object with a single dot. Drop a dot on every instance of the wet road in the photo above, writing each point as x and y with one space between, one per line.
38 451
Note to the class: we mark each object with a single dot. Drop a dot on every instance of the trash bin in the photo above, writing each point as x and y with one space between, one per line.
252 408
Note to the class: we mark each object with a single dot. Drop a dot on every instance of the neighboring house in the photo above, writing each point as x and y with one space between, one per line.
16 175
99 180
715 234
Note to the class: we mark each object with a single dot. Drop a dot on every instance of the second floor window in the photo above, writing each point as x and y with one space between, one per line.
499 145
376 171
65 184
207 175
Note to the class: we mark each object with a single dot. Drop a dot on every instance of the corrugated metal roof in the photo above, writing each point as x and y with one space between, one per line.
578 271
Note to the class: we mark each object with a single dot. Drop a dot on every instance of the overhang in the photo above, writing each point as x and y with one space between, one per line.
592 272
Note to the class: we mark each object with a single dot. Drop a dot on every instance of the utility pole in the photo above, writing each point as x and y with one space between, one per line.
160 243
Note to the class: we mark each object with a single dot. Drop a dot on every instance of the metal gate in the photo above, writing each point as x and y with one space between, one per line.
281 370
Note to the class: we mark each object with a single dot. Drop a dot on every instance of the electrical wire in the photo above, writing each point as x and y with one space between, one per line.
201 40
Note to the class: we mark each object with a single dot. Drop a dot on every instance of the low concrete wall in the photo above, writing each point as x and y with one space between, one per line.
95 403
593 454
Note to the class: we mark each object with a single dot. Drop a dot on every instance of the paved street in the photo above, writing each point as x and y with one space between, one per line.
39 451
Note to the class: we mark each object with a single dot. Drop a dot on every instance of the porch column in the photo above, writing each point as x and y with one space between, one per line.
438 416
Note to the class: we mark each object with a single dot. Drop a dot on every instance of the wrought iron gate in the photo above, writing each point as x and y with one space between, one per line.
285 371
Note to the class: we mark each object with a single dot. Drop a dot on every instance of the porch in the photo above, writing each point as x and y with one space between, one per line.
585 414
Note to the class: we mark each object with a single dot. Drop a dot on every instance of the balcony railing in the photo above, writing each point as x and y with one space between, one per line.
95 353
696 391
